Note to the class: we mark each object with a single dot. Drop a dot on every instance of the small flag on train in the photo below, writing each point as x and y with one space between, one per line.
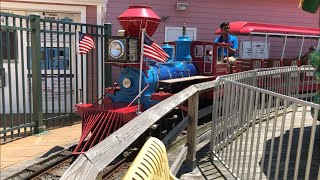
153 50
85 43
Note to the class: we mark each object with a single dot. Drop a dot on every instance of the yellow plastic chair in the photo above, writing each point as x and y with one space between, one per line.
151 163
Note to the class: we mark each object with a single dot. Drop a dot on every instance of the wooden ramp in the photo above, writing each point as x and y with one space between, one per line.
206 169
259 161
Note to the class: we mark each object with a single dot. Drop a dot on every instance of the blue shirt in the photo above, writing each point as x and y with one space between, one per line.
232 40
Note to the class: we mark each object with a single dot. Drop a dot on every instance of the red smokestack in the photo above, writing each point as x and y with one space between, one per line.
138 17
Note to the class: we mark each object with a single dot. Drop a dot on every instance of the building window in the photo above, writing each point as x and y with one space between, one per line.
52 58
173 33
8 44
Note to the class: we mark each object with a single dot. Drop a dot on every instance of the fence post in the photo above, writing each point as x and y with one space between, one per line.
107 67
193 105
214 119
255 79
37 115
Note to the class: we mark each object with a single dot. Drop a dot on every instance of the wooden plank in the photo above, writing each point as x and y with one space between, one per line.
204 136
203 129
182 155
205 111
170 81
107 150
179 160
82 169
206 86
167 141
170 138
193 105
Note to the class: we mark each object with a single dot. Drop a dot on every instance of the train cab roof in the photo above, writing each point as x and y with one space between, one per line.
248 28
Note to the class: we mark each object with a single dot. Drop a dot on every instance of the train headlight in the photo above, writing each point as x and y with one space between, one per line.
122 50
126 83
116 49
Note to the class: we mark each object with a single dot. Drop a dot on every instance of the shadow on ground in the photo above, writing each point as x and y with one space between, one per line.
52 150
207 168
315 160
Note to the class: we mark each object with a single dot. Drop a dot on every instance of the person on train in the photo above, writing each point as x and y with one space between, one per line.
226 37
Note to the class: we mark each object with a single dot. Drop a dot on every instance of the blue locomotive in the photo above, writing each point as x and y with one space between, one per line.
122 102
179 66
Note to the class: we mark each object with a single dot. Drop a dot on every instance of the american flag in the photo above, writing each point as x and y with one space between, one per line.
85 43
153 50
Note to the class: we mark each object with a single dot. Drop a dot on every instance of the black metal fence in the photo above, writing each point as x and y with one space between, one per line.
42 75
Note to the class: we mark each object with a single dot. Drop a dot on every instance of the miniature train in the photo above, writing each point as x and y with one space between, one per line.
189 63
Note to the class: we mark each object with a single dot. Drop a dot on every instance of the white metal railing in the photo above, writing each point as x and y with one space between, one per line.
260 130
292 81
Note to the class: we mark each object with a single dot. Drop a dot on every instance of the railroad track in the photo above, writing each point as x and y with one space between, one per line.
116 171
55 166
50 168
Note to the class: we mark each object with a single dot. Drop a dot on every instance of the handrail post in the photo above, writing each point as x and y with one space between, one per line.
193 105
37 115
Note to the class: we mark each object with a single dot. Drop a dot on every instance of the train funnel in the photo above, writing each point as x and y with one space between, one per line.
138 17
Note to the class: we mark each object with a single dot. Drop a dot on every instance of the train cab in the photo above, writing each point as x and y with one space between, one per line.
265 45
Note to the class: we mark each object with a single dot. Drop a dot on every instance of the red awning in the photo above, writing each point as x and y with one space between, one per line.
245 28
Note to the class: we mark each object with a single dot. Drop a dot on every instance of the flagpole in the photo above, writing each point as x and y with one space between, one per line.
77 54
77 41
141 64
